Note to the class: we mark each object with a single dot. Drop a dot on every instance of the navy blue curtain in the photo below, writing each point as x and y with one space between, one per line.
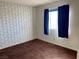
46 21
63 21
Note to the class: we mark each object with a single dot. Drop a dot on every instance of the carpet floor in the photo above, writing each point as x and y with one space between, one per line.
37 49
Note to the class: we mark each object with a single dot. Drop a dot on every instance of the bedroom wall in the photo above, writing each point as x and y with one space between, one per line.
73 41
34 23
16 24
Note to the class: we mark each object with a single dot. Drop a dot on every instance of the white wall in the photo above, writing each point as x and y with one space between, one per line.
73 40
34 23
16 24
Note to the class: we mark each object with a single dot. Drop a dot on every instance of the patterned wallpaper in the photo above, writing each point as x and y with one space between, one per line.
15 24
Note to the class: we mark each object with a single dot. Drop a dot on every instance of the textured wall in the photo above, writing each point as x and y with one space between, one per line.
15 24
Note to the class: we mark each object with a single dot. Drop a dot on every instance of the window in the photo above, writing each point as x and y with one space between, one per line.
53 20
57 21
53 23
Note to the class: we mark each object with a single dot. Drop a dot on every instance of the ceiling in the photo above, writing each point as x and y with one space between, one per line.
30 2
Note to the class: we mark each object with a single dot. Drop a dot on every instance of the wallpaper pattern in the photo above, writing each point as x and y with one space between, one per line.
15 24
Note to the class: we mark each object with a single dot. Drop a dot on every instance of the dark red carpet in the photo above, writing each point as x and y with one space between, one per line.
37 49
